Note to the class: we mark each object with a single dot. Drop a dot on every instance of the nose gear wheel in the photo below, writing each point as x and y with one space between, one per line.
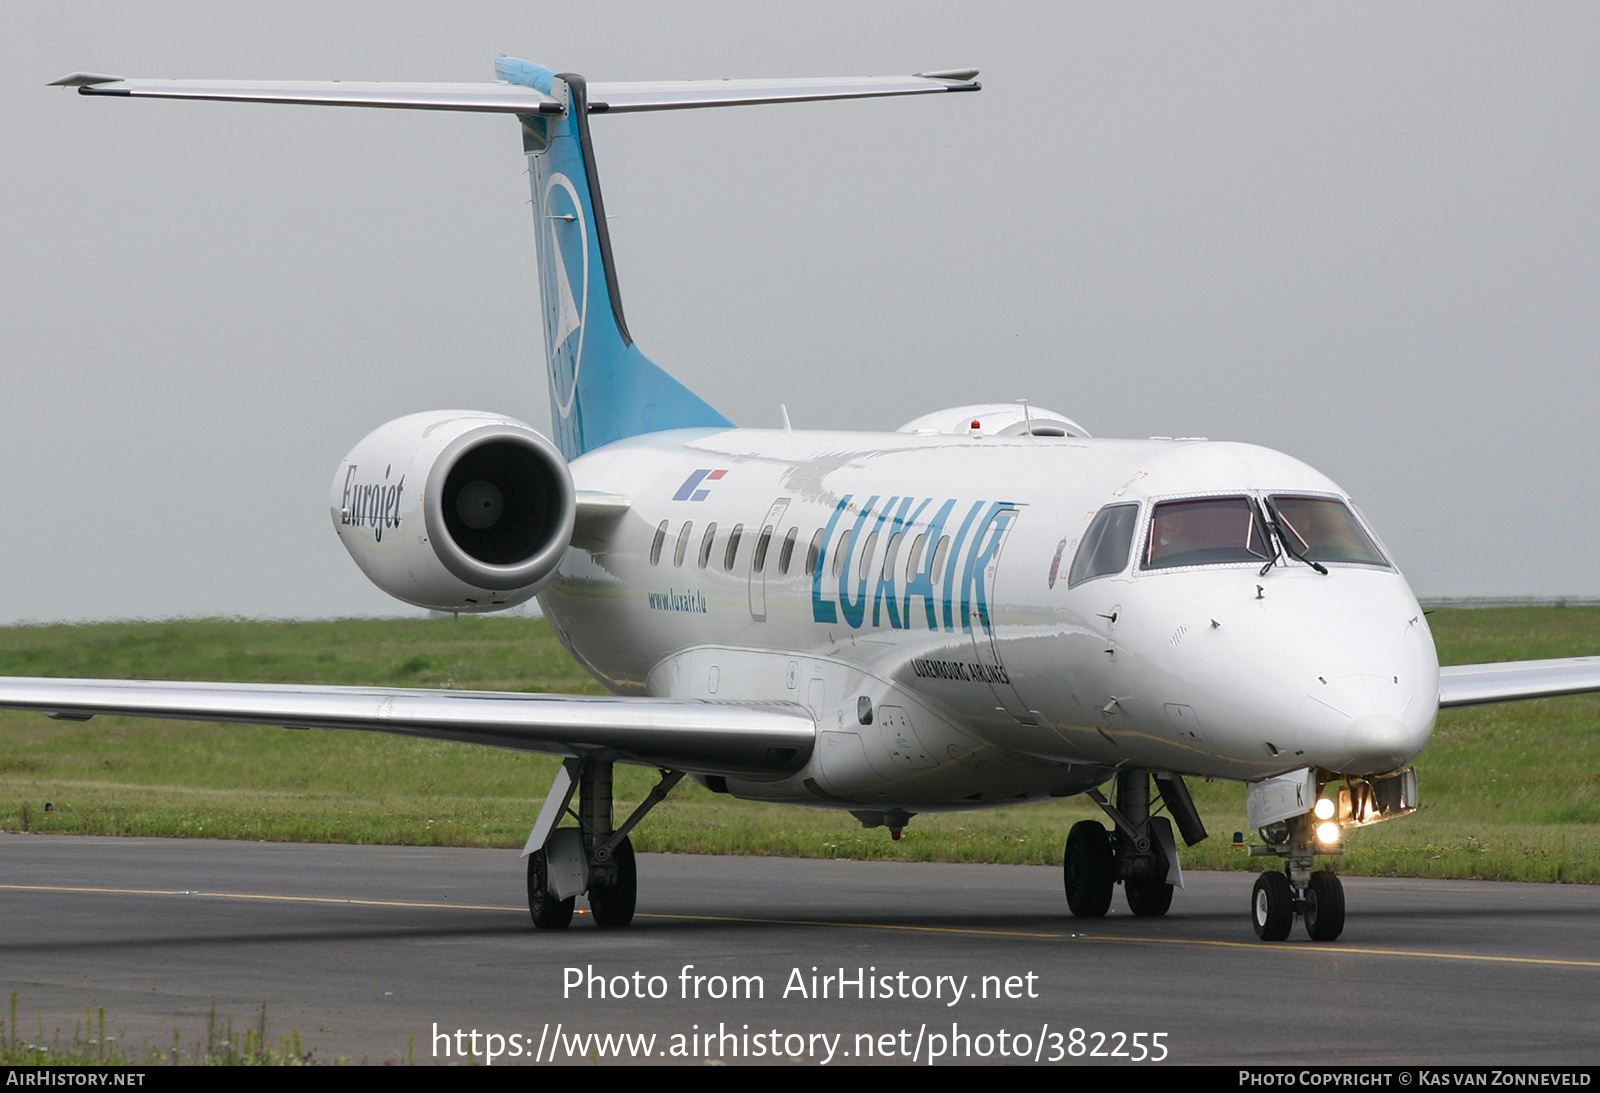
1272 907
1324 906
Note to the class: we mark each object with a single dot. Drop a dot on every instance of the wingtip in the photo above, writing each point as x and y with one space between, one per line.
957 75
83 79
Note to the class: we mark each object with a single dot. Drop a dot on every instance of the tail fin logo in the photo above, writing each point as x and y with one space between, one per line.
564 240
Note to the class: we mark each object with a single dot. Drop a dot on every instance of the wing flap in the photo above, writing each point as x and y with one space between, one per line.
1510 681
750 739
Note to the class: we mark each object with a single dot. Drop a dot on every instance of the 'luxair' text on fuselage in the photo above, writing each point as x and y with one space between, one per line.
938 582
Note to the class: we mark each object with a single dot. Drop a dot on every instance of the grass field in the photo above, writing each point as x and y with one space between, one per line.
1509 792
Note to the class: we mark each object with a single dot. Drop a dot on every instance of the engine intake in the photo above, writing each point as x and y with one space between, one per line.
488 527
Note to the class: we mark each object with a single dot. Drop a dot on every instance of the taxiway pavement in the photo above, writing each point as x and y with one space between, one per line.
370 951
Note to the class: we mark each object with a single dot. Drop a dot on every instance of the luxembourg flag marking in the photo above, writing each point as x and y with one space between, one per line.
689 491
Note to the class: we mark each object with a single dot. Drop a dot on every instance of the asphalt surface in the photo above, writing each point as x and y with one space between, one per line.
369 951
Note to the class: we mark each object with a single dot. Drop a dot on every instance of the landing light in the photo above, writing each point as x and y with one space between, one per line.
1325 808
1328 833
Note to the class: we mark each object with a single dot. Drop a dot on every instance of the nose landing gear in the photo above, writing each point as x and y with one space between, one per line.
1320 904
1304 813
1316 897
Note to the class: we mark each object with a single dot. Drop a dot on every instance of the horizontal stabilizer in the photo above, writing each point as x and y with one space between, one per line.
750 739
1476 684
617 98
494 98
522 98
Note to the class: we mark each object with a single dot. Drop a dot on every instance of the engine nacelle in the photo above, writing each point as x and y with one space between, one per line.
455 510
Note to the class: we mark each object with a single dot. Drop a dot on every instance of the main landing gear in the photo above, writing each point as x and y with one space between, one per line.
594 857
1140 852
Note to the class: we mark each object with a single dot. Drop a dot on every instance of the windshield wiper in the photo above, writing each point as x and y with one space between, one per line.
1276 524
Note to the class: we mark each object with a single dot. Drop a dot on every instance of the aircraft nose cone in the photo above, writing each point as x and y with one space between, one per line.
1378 742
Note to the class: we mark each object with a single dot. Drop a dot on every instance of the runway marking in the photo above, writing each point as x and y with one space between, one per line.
859 925
1252 946
1344 950
261 897
1337 950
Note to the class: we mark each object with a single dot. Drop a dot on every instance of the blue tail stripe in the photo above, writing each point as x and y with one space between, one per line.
525 74
602 388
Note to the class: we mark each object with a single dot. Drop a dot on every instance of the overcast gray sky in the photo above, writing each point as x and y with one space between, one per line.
1365 234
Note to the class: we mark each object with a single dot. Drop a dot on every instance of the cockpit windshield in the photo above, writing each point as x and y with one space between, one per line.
1205 531
1321 529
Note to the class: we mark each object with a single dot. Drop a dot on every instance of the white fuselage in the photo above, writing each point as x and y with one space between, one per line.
987 678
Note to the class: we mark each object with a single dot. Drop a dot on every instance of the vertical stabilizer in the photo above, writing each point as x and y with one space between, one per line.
601 387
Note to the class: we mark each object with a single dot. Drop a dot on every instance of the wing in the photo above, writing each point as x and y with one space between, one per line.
1475 684
760 739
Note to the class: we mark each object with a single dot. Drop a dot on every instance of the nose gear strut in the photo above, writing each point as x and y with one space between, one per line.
1317 897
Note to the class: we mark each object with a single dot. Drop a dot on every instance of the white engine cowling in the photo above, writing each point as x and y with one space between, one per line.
455 510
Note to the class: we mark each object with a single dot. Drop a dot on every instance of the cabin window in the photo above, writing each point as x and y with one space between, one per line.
786 555
733 546
1320 529
705 544
655 547
914 559
813 552
1105 546
683 542
761 548
938 558
1206 531
891 554
866 556
839 551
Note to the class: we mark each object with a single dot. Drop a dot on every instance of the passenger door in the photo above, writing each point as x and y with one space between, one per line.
764 557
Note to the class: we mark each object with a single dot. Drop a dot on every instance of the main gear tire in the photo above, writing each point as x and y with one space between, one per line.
1148 897
548 912
1089 870
612 906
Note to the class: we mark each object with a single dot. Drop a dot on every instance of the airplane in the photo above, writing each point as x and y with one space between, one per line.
984 607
